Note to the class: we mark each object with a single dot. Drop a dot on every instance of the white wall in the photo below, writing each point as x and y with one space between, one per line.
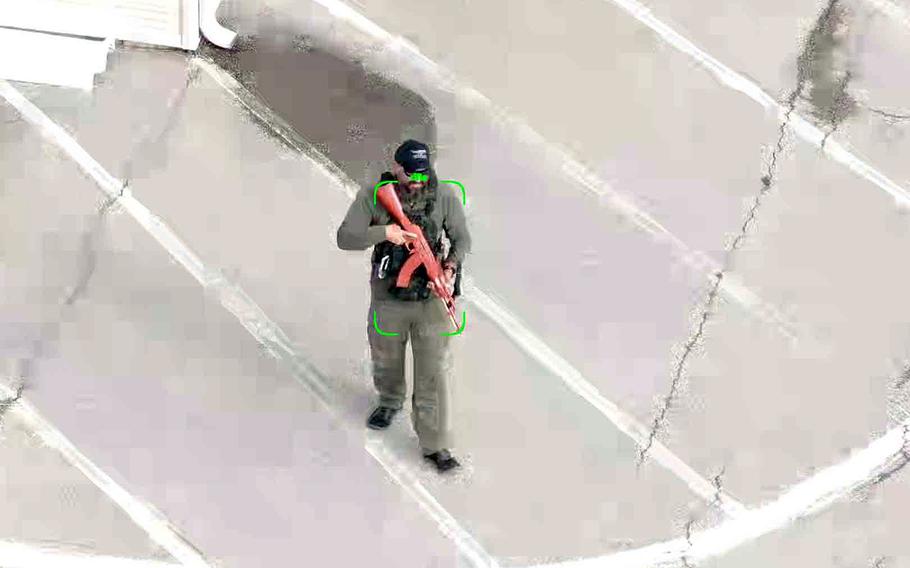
173 23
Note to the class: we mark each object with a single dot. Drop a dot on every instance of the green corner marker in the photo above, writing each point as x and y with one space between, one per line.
379 331
464 199
424 178
377 186
462 326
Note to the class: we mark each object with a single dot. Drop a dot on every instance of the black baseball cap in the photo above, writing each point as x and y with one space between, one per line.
413 156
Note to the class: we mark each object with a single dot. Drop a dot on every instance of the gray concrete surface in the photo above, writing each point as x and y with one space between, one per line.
781 411
547 476
863 531
46 502
844 51
626 328
222 441
521 452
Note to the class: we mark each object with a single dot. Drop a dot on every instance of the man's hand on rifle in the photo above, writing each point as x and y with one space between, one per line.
448 278
397 235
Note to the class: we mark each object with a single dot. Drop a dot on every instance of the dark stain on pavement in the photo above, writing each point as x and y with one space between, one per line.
824 69
355 117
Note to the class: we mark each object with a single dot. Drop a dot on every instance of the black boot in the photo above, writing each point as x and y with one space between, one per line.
443 460
381 418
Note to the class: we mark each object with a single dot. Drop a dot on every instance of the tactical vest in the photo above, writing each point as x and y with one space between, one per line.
388 258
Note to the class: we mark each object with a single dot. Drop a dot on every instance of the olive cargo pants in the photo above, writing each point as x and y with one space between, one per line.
423 323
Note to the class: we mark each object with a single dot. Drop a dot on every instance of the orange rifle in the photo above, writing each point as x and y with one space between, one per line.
421 254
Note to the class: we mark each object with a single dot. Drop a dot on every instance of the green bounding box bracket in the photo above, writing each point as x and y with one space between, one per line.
424 178
377 186
461 329
379 331
464 199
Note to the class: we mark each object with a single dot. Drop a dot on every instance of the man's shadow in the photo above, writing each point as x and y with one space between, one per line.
355 117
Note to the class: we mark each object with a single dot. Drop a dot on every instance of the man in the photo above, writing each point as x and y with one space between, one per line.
414 313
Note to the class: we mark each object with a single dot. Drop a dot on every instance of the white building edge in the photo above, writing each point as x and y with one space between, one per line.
66 42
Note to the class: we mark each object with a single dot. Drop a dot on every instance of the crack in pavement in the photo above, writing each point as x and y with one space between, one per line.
151 144
89 252
816 44
841 107
85 270
892 117
677 374
7 402
683 558
718 485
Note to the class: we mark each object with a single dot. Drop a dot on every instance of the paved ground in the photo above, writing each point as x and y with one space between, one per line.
858 532
728 394
46 502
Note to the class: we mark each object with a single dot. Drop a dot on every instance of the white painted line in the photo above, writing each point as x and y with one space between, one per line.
731 287
236 301
803 499
21 555
577 383
143 514
513 328
447 525
805 129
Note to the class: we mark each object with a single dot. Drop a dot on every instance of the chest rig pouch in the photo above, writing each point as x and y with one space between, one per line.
388 258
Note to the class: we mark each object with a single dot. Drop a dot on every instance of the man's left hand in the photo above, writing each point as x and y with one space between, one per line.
448 279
